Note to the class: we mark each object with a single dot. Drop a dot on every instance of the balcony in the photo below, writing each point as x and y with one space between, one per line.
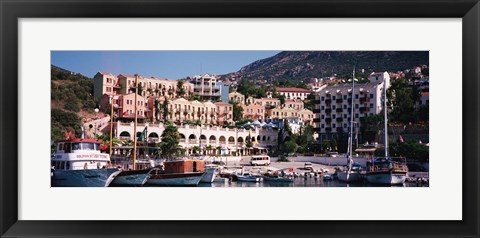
328 129
328 101
339 100
364 100
328 120
364 109
339 110
328 111
339 119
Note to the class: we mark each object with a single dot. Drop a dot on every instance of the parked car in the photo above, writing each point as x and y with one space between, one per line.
308 165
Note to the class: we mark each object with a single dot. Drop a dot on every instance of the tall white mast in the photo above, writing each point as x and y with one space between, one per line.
352 117
385 129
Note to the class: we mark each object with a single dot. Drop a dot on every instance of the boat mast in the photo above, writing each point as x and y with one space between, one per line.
385 116
135 125
350 138
111 125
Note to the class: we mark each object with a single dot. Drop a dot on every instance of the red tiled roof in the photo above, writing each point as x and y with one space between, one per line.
295 90
223 104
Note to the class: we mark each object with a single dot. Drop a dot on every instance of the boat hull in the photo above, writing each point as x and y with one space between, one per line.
209 175
391 178
83 178
348 177
132 178
248 179
179 179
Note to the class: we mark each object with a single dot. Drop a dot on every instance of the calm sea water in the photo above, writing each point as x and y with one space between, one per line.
302 182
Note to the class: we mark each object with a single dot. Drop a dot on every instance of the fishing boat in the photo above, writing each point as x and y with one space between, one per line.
386 170
186 172
80 163
210 174
140 171
347 174
248 178
137 177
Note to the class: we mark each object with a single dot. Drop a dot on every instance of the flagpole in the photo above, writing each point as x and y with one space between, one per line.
135 125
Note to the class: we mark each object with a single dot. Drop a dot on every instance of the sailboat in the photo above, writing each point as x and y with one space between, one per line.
349 175
135 177
386 170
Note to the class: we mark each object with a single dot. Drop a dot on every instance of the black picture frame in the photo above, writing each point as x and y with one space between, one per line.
11 11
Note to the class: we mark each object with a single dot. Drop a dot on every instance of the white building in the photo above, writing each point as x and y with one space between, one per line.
229 139
333 107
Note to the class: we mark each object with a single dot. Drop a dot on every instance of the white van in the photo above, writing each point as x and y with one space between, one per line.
260 160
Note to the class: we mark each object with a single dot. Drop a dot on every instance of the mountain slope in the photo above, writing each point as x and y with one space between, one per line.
303 65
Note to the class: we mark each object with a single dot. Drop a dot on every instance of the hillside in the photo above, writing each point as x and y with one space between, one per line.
303 65
71 100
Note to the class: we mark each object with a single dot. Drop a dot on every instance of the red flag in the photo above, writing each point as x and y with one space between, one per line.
68 135
105 147
125 113
401 139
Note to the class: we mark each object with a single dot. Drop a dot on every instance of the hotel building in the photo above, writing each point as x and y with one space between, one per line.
334 103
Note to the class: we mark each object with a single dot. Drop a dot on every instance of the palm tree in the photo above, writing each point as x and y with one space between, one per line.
209 148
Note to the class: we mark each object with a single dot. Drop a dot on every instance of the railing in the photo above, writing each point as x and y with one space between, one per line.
192 141
212 141
182 140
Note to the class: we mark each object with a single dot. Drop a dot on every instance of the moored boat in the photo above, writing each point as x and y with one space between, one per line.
209 176
347 174
387 170
178 173
248 178
80 163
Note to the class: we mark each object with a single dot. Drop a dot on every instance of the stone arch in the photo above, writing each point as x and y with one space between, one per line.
264 138
258 138
240 139
192 137
222 140
203 137
182 136
124 134
231 139
153 135
213 139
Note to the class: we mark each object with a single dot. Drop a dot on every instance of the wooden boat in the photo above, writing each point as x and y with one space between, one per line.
80 163
186 172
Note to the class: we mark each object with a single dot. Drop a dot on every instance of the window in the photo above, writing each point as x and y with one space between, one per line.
322 116
344 115
322 107
371 95
371 105
333 98
344 106
334 107
345 97
333 125
356 105
323 126
344 125
322 98
333 116
356 96
356 115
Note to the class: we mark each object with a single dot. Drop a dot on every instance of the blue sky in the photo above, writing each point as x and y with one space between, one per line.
162 64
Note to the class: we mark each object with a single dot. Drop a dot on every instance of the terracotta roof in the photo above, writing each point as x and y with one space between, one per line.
424 94
295 90
223 104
